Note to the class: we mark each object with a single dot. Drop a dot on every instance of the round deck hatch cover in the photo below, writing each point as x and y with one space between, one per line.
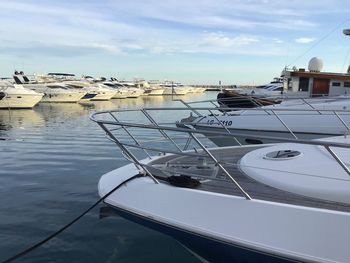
282 155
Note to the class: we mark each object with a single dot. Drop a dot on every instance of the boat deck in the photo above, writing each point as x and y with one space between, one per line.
213 180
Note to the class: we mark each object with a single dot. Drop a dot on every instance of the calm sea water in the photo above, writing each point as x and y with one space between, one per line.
51 159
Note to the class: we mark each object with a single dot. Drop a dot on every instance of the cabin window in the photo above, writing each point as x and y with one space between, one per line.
347 84
336 84
304 84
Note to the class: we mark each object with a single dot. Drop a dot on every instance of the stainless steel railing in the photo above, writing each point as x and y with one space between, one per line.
177 139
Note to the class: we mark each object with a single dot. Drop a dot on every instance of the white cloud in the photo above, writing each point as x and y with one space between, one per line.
304 40
278 41
220 40
151 28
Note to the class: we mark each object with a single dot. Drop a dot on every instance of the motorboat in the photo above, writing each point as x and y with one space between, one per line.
231 98
124 89
133 90
81 86
53 91
95 91
171 88
283 202
303 118
13 97
103 92
152 88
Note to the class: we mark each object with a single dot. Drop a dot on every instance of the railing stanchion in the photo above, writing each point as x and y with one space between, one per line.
139 165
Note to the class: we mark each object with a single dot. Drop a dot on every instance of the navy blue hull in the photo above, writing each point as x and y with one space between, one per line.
208 248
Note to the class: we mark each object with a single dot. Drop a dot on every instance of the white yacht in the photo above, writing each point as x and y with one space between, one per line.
287 202
53 91
175 89
103 92
121 90
82 86
133 90
94 90
12 97
303 119
152 88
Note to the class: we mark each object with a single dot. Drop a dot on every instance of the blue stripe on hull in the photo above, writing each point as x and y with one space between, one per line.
89 96
208 248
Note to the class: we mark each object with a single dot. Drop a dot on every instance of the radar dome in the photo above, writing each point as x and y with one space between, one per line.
315 65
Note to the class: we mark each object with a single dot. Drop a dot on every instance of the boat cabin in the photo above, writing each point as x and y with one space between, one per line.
314 82
319 83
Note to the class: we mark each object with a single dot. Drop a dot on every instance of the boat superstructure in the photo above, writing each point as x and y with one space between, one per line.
284 202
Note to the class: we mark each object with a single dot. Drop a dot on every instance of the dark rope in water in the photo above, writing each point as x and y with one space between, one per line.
40 243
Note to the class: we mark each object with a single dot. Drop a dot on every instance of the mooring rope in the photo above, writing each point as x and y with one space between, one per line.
40 243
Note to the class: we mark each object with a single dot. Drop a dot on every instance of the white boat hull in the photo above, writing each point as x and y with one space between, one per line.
20 101
120 95
278 230
62 97
304 126
176 91
103 95
154 92
135 93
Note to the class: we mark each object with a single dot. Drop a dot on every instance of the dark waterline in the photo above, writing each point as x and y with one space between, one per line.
51 159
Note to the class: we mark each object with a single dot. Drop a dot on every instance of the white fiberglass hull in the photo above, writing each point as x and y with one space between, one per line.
135 93
103 95
280 232
175 91
304 126
70 97
256 137
20 101
154 92
120 94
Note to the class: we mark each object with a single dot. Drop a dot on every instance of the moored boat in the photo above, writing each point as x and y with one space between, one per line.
232 204
14 97
297 118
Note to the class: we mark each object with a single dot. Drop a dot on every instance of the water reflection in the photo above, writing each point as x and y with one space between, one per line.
50 175
19 119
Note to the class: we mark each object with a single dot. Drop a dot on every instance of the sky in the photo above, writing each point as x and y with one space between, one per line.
243 42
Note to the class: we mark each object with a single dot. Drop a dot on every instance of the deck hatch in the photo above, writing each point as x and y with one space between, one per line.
282 155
